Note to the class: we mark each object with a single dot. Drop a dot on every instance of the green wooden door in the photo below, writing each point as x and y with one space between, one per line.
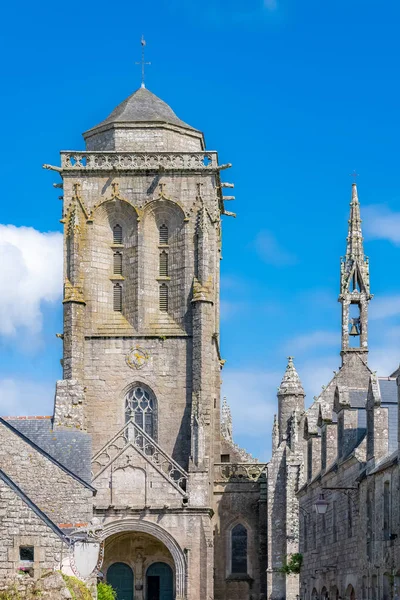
120 577
163 589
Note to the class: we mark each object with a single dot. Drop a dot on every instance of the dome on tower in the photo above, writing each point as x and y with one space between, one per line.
143 106
144 122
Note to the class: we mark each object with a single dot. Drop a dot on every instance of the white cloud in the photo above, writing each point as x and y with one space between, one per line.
315 339
24 397
30 273
380 222
384 307
252 398
271 251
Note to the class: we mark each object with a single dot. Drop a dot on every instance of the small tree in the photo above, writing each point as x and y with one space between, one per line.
105 592
292 564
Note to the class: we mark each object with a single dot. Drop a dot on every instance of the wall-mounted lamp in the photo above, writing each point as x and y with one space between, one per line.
321 505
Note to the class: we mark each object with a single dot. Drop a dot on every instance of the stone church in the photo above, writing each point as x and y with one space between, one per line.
139 445
136 440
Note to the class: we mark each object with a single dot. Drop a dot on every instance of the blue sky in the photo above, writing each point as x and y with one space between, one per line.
295 94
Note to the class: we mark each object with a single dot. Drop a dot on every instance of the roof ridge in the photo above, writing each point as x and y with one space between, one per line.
46 454
17 490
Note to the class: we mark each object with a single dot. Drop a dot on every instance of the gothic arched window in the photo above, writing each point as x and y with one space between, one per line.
141 406
239 549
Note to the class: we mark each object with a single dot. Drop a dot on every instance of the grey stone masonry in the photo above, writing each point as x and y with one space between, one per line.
57 492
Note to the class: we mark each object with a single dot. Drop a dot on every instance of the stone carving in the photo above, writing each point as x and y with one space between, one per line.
239 472
133 435
137 358
140 161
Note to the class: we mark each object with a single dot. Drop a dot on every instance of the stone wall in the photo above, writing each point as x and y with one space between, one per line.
61 496
20 526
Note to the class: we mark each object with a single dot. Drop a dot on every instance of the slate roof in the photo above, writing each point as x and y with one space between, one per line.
144 106
72 449
358 398
13 486
388 389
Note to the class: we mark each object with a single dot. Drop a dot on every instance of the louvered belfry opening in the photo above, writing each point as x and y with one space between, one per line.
163 235
163 298
117 297
163 264
117 234
117 263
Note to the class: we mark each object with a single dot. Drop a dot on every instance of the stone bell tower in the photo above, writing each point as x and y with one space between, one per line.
354 288
142 236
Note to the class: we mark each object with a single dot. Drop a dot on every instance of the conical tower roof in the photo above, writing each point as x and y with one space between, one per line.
290 383
143 107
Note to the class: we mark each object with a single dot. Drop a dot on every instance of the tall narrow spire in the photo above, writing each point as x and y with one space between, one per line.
355 249
354 285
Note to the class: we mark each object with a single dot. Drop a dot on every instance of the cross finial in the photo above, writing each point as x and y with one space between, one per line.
143 62
354 175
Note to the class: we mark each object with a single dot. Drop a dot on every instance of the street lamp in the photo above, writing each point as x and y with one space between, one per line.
321 505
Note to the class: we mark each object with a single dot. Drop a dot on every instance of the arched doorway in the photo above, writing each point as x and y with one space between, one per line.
140 543
350 593
120 577
159 582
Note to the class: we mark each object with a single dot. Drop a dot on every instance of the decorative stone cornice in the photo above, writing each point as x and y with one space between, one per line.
139 161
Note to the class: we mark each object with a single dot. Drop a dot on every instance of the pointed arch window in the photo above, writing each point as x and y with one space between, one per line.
117 266
163 264
141 405
163 299
117 234
239 549
163 231
117 297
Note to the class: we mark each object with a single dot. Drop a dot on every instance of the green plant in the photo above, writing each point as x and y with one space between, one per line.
292 564
105 592
78 589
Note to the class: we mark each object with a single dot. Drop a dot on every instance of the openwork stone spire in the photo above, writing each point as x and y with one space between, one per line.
226 421
290 383
354 285
355 249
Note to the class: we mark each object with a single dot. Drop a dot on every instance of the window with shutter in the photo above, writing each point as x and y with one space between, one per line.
163 298
117 234
117 263
163 264
117 297
163 235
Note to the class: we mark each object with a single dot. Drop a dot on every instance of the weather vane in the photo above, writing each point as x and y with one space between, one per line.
143 62
354 175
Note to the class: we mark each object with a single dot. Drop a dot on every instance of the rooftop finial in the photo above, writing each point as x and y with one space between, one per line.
291 379
143 62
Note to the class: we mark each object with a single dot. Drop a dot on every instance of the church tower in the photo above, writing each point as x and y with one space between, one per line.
354 288
142 236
